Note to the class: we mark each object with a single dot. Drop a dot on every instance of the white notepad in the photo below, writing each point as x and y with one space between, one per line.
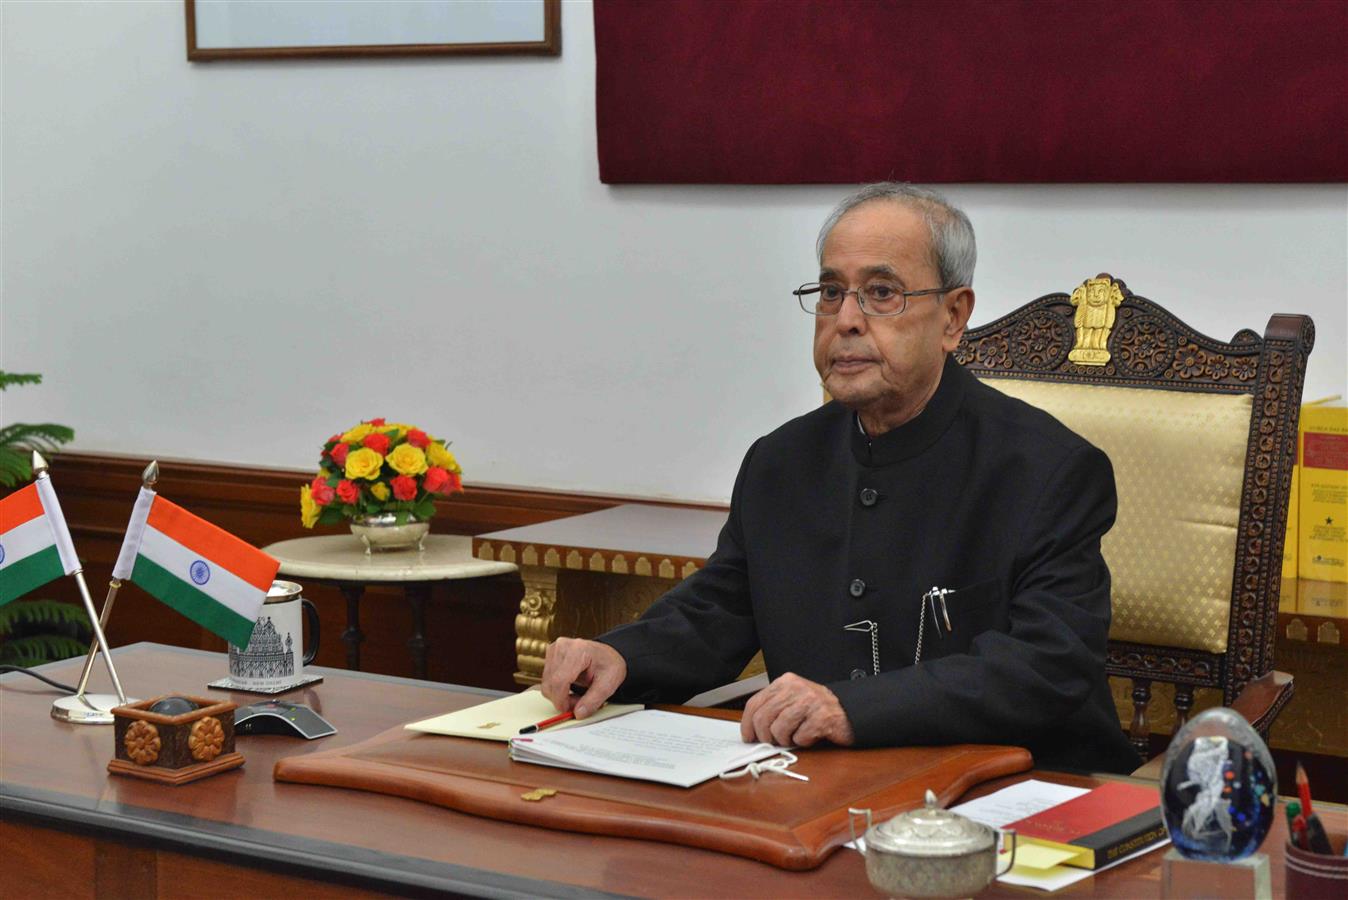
651 745
502 719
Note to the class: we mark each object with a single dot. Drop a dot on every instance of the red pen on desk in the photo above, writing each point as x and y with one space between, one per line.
539 726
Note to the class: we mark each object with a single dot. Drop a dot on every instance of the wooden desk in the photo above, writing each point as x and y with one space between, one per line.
585 574
70 829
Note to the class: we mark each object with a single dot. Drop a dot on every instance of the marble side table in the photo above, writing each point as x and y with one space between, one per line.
341 560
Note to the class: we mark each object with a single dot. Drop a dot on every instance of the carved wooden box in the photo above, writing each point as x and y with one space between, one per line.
174 749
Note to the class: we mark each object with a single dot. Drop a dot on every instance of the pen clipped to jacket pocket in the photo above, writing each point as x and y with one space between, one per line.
953 616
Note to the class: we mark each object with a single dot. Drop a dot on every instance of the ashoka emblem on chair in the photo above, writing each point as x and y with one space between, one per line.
1096 301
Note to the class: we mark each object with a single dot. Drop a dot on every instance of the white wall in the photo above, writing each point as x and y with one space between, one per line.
230 261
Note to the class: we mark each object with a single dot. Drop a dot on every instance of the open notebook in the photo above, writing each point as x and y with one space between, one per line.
651 745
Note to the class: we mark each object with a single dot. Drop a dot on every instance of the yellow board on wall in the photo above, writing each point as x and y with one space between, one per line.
1289 544
1287 595
1323 598
1322 526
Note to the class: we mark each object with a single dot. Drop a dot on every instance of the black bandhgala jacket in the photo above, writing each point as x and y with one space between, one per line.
980 494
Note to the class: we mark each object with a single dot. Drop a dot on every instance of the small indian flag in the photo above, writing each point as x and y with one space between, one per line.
204 572
35 545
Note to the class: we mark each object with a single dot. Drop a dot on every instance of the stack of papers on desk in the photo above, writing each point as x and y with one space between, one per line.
651 745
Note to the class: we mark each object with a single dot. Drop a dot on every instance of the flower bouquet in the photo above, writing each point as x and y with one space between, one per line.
379 474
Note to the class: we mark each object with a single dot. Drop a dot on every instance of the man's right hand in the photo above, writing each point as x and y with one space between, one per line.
598 667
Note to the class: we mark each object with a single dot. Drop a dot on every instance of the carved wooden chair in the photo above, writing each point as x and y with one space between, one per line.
1202 435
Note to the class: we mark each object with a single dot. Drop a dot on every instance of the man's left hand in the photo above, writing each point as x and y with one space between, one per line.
795 711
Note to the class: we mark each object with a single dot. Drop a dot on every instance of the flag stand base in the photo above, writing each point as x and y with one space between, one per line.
89 709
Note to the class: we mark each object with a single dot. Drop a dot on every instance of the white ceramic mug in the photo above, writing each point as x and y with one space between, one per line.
275 656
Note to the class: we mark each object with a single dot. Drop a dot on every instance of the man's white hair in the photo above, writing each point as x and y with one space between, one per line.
952 236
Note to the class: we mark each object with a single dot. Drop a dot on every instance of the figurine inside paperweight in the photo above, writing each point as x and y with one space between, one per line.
1218 788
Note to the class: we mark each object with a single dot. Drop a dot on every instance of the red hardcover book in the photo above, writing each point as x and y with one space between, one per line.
1110 822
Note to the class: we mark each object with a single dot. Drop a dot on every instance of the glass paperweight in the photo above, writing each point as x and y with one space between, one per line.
1218 788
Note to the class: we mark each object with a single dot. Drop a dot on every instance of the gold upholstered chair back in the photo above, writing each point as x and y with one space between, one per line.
1202 437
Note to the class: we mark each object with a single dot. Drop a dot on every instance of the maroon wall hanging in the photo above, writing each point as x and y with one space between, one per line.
838 91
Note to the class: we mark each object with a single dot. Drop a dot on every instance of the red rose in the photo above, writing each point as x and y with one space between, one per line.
321 493
418 438
377 442
332 440
339 453
347 491
375 422
455 483
404 487
436 479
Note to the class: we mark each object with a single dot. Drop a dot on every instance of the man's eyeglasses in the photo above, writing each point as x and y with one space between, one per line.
879 298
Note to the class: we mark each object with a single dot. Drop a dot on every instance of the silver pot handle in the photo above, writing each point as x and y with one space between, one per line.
1012 861
852 826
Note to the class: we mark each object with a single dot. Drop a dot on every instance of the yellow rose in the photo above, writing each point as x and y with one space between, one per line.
308 508
355 434
363 463
407 460
380 491
439 456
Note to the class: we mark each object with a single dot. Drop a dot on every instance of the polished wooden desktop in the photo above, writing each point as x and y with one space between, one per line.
71 829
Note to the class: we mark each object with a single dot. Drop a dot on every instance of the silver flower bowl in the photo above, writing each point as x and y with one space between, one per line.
382 533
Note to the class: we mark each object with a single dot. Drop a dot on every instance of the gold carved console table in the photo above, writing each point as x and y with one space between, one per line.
585 574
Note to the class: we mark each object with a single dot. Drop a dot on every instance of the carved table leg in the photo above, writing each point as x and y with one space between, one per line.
418 592
353 636
533 626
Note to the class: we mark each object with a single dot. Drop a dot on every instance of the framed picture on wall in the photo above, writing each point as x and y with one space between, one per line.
283 29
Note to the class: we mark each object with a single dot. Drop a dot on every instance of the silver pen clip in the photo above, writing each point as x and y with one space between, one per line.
933 597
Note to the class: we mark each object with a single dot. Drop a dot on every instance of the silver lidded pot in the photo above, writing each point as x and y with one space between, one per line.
930 852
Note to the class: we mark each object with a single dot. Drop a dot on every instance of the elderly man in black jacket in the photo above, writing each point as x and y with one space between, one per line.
919 559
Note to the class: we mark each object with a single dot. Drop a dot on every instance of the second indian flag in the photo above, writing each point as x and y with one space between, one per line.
202 571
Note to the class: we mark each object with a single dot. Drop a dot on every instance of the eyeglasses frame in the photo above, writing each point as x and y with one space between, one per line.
814 287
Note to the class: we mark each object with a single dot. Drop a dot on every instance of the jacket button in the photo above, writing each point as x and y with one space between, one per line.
857 587
857 673
869 496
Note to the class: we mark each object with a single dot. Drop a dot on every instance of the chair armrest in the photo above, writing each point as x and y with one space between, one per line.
1262 699
1260 702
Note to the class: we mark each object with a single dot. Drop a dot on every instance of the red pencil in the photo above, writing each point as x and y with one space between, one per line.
538 726
1304 789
